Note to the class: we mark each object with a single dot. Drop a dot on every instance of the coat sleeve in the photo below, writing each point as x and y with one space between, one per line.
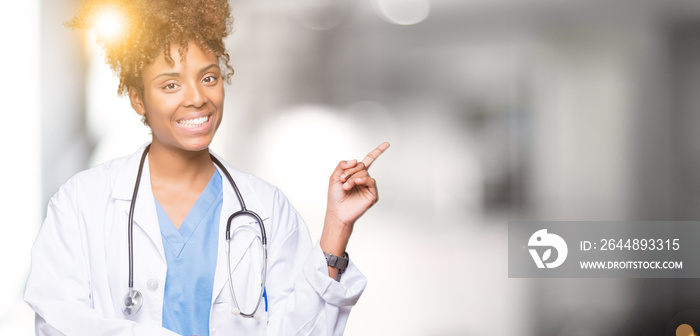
59 287
308 302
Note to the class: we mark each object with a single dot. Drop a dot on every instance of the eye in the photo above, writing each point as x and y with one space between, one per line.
170 86
210 79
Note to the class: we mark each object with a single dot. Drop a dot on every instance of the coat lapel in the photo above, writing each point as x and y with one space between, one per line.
145 217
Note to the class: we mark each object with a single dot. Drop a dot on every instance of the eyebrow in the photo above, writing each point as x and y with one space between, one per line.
176 74
209 67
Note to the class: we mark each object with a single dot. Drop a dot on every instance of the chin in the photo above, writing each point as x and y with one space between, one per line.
190 145
197 147
184 144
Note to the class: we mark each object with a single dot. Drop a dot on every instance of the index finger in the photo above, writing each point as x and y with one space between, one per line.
374 154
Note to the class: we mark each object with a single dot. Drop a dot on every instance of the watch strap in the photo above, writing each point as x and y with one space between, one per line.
341 263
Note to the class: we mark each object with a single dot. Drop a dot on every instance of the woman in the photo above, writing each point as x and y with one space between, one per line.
173 66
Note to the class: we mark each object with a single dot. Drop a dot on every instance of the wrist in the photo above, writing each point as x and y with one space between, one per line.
335 235
340 263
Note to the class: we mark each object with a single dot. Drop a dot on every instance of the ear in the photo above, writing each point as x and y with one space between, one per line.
136 98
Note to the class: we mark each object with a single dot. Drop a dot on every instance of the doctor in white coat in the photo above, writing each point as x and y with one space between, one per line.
79 272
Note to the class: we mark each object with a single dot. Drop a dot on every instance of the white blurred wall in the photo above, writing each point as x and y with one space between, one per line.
20 188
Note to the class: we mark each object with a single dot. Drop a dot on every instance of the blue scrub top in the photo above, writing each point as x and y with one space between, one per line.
190 253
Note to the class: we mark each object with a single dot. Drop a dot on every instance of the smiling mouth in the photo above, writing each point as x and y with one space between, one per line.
193 123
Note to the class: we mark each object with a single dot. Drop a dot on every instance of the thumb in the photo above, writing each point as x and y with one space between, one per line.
341 167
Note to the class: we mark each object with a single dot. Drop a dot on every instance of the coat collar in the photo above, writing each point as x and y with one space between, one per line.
146 218
125 177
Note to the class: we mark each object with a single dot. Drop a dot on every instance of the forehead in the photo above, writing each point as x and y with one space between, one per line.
194 58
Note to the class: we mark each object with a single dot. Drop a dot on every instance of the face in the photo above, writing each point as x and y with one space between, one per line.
183 102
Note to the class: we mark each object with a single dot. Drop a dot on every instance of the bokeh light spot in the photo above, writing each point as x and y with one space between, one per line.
685 330
403 12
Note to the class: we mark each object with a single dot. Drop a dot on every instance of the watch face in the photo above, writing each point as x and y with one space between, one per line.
336 261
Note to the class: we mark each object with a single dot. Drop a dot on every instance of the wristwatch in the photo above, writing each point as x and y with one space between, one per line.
341 263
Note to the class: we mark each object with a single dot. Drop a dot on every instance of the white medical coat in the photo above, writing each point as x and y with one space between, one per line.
79 272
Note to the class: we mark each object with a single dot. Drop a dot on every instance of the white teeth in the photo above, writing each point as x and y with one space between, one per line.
192 123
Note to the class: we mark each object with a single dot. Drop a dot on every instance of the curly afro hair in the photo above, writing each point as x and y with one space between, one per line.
152 26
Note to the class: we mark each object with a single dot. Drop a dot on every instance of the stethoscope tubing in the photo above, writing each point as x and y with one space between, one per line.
243 212
134 296
131 219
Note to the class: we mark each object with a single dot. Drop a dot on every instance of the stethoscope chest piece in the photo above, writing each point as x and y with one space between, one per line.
132 302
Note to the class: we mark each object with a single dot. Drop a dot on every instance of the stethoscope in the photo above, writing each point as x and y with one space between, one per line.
133 300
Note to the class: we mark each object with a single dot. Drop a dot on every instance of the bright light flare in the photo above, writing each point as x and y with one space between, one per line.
110 24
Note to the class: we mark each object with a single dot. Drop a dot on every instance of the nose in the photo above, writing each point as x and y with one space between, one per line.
195 96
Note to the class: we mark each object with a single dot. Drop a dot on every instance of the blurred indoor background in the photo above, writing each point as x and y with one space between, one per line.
497 110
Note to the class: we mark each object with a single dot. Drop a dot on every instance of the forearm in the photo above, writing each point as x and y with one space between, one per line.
334 239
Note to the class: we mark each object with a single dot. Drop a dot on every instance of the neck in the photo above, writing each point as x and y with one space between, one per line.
176 166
